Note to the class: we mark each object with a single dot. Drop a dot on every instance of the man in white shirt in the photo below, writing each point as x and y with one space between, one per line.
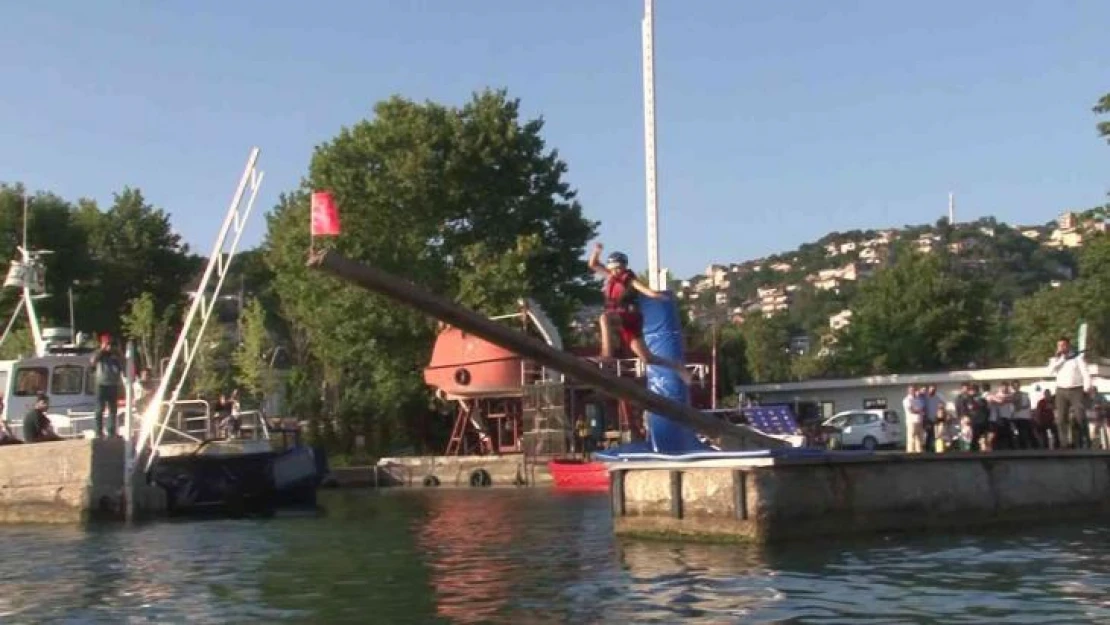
1072 382
913 404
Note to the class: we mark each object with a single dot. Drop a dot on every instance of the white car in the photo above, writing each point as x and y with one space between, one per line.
869 429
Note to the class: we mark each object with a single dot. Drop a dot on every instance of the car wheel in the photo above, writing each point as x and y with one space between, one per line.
869 443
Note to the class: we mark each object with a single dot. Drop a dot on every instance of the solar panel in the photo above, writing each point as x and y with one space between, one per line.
772 419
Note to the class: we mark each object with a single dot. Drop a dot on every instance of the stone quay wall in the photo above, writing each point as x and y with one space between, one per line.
768 501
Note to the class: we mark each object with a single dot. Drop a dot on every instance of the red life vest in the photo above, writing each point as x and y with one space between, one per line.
620 295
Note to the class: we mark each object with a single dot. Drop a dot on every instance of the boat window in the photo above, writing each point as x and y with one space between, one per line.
30 381
67 380
90 381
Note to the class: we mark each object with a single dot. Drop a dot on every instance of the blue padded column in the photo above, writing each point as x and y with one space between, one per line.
663 335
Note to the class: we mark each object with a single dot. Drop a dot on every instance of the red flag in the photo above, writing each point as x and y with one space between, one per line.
325 216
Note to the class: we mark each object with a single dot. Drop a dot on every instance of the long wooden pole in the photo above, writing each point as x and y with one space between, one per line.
373 279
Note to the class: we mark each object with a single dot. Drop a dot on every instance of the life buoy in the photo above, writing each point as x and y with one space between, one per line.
431 481
480 478
462 377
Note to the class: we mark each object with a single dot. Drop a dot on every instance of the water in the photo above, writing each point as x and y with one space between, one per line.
527 556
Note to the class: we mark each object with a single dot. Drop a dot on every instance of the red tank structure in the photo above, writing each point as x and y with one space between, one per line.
505 404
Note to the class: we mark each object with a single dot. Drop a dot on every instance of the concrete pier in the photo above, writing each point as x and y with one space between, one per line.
73 481
772 500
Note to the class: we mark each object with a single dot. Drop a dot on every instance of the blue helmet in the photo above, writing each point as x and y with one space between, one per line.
618 258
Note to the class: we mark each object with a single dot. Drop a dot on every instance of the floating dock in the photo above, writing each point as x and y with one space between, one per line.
767 499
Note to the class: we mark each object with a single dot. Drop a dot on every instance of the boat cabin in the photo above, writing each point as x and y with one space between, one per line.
64 373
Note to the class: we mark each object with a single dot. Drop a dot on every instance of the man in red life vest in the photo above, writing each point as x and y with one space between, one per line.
622 291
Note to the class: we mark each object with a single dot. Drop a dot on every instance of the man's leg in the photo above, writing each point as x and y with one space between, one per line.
113 410
606 331
99 418
1063 418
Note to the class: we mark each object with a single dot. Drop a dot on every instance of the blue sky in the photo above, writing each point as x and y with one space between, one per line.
778 121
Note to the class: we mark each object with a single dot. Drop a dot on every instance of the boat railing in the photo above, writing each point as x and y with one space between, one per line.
254 423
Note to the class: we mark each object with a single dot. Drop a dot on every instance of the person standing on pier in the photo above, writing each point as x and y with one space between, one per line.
109 375
622 291
1072 382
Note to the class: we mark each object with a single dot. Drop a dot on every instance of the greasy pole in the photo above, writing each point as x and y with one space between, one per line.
378 281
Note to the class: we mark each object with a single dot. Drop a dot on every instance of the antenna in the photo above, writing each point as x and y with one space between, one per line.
951 209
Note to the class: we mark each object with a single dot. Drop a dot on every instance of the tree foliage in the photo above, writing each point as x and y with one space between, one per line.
150 328
467 202
1103 108
767 348
251 357
915 315
1050 313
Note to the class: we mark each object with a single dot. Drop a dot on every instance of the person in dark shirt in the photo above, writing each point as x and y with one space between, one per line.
36 425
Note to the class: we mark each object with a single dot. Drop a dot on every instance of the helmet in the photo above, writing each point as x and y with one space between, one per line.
617 258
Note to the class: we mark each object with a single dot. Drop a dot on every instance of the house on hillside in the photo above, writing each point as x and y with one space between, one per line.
773 300
840 320
926 243
715 274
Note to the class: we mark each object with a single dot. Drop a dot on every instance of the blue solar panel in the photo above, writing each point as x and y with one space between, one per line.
772 419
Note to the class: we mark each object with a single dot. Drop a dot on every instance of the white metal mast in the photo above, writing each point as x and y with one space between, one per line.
951 209
648 27
184 351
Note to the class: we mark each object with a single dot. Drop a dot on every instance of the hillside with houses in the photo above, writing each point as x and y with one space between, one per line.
807 297
1034 255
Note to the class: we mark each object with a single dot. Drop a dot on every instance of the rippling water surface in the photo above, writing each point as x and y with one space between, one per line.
525 556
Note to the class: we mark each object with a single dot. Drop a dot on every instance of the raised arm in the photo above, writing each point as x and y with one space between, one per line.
1055 363
594 261
647 290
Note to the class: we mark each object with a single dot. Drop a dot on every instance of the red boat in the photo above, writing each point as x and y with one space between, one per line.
571 474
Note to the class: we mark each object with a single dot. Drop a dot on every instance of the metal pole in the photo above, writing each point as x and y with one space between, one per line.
713 399
378 281
649 145
72 317
128 448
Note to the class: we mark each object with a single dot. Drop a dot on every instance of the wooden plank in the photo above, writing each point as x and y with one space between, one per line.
378 281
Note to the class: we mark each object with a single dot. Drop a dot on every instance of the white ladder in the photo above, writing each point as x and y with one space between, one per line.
156 417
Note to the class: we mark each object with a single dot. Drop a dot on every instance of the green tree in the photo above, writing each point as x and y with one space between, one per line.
1050 313
1102 107
213 369
251 356
150 329
51 225
916 315
468 202
767 348
732 364
134 250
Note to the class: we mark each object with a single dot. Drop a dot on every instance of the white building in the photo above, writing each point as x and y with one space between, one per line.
828 397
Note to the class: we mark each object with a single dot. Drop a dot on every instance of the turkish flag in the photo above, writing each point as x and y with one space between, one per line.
325 216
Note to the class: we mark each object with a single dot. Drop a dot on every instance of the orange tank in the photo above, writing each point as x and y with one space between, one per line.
464 365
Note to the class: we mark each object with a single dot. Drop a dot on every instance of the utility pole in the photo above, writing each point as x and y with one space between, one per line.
713 373
648 27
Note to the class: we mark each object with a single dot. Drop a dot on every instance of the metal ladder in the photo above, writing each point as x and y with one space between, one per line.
156 417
